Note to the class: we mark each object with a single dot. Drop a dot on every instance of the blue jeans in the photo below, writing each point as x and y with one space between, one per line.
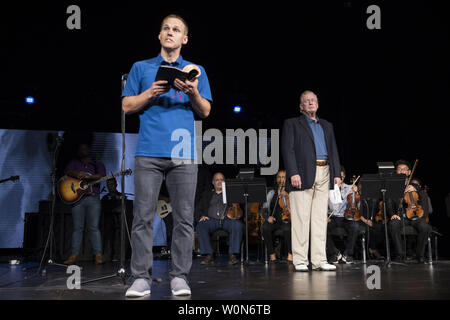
235 229
181 181
87 209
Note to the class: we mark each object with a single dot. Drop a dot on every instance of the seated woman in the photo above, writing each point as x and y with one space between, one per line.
275 219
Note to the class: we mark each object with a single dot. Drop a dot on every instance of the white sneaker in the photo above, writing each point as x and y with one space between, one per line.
326 267
301 267
180 287
139 288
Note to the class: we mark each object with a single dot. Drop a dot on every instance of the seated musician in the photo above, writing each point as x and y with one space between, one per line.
111 208
84 167
411 241
423 191
371 209
337 219
213 216
398 218
274 218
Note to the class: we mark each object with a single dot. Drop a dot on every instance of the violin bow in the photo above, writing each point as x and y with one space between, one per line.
412 172
356 180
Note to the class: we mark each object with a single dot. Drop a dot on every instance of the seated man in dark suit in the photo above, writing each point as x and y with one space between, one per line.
213 216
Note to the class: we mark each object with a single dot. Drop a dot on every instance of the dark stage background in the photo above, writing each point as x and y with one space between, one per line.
384 90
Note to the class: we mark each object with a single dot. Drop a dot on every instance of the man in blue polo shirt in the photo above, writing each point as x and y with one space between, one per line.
164 109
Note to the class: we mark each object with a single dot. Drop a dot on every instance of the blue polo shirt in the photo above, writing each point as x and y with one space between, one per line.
319 139
166 113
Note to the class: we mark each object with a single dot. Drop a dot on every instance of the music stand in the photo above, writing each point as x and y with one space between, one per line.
243 190
391 186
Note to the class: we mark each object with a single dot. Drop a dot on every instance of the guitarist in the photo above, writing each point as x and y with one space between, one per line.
396 224
87 208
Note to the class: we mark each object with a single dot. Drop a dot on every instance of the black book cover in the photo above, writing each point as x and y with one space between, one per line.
169 73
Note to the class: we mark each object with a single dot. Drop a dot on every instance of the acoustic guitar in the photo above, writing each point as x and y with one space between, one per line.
71 190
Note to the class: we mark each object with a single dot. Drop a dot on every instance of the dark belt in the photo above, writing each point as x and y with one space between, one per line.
321 163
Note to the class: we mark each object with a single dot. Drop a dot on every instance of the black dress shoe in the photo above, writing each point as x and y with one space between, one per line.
375 255
420 260
233 259
400 259
208 260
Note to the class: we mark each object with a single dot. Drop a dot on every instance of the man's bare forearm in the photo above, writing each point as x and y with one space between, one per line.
133 104
200 105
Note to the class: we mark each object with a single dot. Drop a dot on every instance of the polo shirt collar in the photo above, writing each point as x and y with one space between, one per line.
178 62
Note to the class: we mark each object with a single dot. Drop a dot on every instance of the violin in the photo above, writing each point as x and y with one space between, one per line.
352 212
284 204
234 212
255 221
380 214
414 210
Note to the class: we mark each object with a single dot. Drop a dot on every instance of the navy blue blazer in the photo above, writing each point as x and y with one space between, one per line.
299 152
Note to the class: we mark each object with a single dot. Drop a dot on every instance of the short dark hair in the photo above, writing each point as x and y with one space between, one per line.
401 161
179 18
419 182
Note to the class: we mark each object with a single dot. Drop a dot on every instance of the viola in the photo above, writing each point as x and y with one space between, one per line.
352 212
234 212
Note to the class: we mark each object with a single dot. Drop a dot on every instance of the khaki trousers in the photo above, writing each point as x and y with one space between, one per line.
309 211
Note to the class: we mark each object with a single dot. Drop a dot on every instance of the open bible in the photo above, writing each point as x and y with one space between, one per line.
168 73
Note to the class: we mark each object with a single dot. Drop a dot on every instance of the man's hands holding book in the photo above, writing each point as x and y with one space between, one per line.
162 86
188 87
158 88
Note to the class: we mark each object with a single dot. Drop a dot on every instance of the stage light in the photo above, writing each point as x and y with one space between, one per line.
29 100
237 109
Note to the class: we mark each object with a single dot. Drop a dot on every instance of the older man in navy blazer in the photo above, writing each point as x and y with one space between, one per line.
312 168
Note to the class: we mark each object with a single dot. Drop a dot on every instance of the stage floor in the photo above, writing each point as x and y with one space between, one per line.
260 281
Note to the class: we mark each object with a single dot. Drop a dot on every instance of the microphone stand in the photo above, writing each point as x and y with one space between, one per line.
121 273
50 240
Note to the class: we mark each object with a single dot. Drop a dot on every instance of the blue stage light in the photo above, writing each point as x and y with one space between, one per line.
237 109
29 100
